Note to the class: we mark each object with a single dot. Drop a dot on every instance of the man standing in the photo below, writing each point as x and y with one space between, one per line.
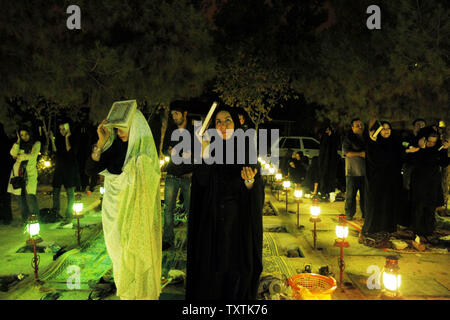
417 125
353 148
178 177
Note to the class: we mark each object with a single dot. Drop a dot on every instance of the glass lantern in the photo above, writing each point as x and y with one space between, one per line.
390 276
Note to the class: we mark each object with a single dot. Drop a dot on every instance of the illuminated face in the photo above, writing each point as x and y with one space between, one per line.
358 127
178 117
224 124
431 142
122 134
24 135
386 131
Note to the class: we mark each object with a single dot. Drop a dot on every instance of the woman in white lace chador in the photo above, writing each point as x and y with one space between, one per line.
131 207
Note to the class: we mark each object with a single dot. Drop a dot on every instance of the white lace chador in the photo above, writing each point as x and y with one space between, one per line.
131 216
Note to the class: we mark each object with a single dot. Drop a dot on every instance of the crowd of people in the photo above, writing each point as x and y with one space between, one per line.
401 179
398 181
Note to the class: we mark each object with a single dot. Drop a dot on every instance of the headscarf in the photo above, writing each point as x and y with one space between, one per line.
26 146
234 168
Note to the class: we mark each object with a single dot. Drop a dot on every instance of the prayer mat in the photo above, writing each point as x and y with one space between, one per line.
89 263
272 262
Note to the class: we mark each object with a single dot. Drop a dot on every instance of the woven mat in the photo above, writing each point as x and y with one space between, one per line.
272 262
92 260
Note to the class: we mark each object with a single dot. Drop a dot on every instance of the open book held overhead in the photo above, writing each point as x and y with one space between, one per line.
121 114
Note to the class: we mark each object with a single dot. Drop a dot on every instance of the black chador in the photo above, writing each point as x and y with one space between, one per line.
224 254
383 185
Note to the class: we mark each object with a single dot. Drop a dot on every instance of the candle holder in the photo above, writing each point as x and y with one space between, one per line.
286 186
391 279
298 195
33 229
341 242
315 212
78 207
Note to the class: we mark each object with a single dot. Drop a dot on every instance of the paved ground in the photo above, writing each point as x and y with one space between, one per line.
425 275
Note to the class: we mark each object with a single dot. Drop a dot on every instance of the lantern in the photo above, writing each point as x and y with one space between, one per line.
33 227
272 171
342 231
315 211
298 194
166 159
278 176
267 166
34 238
78 207
391 278
286 184
47 164
161 162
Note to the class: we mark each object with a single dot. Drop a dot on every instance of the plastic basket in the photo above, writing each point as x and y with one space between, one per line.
311 286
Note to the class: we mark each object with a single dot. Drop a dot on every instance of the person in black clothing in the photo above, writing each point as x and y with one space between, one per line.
178 177
328 162
297 168
66 170
425 180
412 139
311 182
5 197
383 181
224 252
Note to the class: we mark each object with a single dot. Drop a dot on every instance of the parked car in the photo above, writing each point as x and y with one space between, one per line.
309 146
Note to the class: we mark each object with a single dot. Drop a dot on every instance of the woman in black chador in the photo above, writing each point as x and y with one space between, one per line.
224 251
426 179
328 161
383 182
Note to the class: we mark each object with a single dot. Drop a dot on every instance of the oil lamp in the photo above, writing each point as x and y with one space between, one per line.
78 207
391 278
298 195
315 212
341 242
286 186
34 238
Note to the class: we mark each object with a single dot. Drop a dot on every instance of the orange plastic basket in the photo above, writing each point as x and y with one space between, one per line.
311 286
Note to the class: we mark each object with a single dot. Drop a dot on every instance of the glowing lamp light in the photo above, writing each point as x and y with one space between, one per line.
259 159
315 211
278 176
391 278
47 164
33 227
166 159
286 184
341 231
298 194
161 162
102 190
267 166
271 171
78 207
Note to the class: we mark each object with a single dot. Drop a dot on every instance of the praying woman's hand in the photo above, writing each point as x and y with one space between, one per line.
248 174
103 134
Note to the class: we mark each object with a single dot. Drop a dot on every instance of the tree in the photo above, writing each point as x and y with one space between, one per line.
259 44
153 51
398 72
